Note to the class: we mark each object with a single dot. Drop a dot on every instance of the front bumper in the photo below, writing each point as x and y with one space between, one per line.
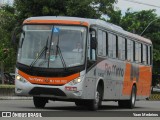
28 89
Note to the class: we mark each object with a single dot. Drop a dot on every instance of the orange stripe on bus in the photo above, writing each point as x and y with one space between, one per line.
127 82
55 22
143 83
48 80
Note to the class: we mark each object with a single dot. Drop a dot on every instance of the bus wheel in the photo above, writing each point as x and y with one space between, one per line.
80 103
131 102
94 104
39 102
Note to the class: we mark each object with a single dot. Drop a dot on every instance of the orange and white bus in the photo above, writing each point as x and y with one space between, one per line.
81 60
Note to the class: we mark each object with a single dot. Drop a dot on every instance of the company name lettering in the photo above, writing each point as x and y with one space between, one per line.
47 80
113 70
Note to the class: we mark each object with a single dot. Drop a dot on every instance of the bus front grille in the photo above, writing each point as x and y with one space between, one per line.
47 91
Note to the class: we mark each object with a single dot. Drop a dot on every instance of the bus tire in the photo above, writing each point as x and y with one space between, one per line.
80 103
131 102
39 102
96 103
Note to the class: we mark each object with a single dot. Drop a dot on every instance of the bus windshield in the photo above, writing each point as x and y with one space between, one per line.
52 46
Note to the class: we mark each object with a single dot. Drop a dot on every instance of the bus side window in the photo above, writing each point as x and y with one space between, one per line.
136 52
144 55
93 45
140 52
104 43
121 48
111 45
102 39
130 50
126 49
149 55
110 49
100 42
114 46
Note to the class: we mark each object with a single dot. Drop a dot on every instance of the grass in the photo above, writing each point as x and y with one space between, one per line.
7 86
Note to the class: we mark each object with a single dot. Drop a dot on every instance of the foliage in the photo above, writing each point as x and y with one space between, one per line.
115 17
7 51
77 8
7 86
137 21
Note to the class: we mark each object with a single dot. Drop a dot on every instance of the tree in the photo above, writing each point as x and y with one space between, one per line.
7 51
115 17
77 8
137 21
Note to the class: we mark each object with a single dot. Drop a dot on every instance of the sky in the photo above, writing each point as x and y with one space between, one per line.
123 5
10 2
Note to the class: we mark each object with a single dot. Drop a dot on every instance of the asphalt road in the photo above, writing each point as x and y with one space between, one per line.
27 105
69 110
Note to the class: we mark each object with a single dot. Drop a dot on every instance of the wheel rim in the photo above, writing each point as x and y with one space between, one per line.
97 98
133 97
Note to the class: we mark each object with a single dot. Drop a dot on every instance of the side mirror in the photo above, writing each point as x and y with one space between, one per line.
93 43
93 38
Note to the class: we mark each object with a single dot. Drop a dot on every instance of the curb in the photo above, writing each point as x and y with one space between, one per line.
15 98
155 97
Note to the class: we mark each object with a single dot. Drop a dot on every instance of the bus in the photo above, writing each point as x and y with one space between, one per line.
82 60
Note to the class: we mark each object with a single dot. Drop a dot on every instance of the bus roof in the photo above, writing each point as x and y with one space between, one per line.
86 22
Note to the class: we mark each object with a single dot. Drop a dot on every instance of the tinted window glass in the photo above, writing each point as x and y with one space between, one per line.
121 48
112 45
129 50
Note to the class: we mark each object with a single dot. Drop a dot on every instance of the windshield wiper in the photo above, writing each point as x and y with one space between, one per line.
57 50
60 54
44 49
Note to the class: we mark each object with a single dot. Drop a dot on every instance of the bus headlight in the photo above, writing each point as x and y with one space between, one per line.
20 78
75 81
